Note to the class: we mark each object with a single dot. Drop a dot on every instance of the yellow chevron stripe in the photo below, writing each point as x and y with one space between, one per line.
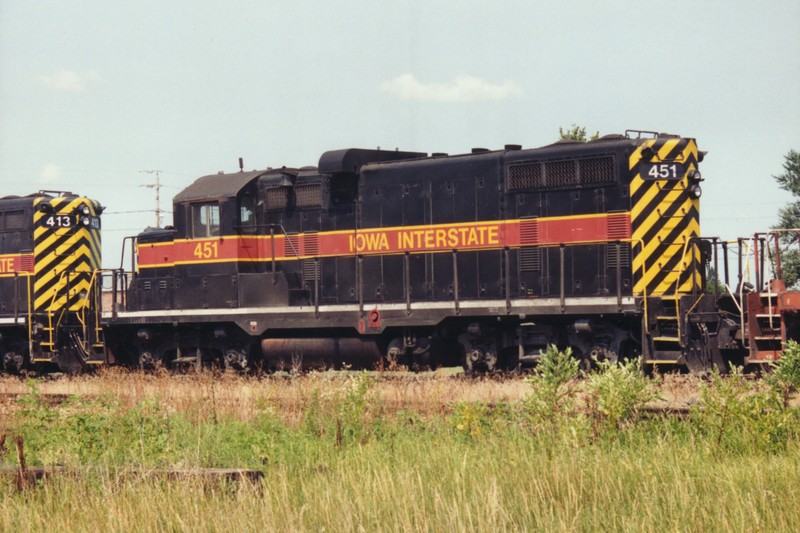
64 256
650 257
636 156
667 148
673 248
665 230
81 245
654 266
61 301
640 206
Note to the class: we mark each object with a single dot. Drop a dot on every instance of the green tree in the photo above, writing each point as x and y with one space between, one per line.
576 133
789 217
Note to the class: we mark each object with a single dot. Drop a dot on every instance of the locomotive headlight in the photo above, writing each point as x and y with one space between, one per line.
695 176
86 221
85 209
695 191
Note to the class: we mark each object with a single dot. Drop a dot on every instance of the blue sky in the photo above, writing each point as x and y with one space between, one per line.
93 94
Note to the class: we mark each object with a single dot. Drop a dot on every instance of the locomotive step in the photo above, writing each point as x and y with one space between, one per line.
766 356
667 317
666 355
666 339
180 360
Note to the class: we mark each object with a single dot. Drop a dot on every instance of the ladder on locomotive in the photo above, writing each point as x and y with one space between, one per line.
89 342
670 340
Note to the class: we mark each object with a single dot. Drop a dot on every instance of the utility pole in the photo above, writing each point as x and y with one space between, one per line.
157 187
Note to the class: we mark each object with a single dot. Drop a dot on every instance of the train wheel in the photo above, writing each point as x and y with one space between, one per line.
149 360
14 362
395 355
480 358
236 359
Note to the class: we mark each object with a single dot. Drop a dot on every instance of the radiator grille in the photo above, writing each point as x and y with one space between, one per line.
561 173
277 198
308 195
536 175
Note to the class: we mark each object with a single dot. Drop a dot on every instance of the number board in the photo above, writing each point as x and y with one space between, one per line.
662 171
58 221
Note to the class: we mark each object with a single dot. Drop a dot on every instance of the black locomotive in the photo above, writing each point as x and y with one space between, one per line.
379 257
49 284
481 259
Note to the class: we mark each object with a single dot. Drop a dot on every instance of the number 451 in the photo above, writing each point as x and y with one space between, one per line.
664 171
206 250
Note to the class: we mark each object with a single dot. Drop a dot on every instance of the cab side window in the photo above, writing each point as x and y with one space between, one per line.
247 213
205 220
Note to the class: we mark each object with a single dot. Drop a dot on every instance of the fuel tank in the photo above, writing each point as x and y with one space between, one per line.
321 354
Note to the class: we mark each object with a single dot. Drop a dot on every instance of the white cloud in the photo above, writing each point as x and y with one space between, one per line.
70 81
464 88
50 173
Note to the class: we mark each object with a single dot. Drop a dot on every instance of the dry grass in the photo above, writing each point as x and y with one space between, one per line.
242 398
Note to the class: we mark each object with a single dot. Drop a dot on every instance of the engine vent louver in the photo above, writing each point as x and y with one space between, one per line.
308 195
277 198
536 175
624 255
530 259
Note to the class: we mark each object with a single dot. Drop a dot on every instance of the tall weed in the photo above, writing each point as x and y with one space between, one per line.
341 412
554 385
738 416
616 394
785 377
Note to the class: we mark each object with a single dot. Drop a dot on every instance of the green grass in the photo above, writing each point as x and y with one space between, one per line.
349 464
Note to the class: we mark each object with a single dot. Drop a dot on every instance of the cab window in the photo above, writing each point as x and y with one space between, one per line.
247 214
205 220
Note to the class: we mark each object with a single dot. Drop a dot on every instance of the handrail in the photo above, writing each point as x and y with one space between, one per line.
288 237
678 284
745 338
633 242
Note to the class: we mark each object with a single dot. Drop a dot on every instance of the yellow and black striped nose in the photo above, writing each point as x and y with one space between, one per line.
665 217
66 239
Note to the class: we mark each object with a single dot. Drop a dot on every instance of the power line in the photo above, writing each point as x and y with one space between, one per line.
130 212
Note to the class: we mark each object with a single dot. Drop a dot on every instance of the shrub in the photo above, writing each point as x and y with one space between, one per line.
554 386
617 393
785 378
737 416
